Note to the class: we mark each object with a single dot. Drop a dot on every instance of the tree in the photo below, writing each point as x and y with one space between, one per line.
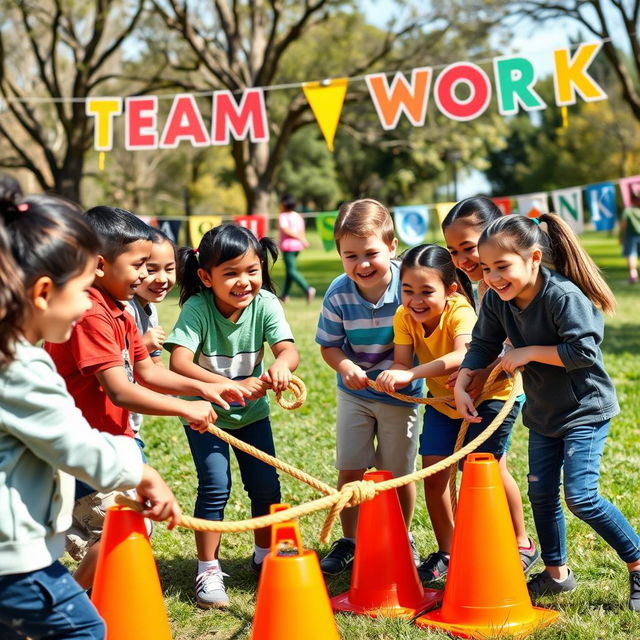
53 55
236 45
599 18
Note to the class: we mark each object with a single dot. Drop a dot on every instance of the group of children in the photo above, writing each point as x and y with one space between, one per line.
86 283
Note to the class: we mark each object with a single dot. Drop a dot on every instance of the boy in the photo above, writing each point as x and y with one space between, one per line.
355 334
105 357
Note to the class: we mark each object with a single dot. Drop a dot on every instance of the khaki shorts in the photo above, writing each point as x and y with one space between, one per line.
88 517
360 421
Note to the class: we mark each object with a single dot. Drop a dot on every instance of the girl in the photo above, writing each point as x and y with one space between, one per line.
228 312
292 241
161 278
434 323
552 322
42 433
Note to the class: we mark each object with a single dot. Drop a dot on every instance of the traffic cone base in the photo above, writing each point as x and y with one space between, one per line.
384 579
430 599
521 629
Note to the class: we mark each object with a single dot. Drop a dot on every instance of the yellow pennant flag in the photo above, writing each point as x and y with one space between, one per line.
199 225
442 208
326 99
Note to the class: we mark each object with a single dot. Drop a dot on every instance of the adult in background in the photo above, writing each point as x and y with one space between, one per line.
630 233
292 241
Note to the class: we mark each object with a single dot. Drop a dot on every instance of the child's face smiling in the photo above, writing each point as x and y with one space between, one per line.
367 261
235 283
56 313
424 295
161 270
122 276
510 275
462 244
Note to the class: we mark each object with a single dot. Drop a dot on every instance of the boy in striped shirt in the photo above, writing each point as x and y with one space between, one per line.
355 334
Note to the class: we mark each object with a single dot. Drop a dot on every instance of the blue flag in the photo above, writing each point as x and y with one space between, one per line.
601 199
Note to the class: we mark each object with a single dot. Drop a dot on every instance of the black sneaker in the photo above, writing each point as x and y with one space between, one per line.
634 589
528 557
255 567
542 584
434 567
340 556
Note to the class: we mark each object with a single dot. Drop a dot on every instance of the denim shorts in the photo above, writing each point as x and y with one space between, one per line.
440 432
47 603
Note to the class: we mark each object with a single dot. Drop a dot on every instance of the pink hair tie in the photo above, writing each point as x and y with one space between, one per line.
23 206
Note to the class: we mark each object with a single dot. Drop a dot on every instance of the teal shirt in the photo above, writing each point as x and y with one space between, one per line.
234 350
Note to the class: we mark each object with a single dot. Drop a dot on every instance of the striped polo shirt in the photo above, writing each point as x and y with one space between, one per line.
363 330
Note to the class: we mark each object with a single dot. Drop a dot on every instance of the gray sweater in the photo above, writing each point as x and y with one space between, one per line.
43 438
558 398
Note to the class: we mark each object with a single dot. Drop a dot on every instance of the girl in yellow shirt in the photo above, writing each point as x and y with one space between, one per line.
434 324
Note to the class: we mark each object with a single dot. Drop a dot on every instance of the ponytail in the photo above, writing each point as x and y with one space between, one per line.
573 262
560 247
13 304
187 274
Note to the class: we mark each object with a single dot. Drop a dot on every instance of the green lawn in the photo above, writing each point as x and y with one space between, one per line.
305 438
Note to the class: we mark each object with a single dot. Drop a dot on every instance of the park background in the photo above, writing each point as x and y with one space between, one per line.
54 54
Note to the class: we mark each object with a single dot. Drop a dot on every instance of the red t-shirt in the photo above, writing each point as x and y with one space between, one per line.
104 337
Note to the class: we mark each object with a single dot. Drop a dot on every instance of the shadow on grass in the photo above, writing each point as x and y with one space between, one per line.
619 339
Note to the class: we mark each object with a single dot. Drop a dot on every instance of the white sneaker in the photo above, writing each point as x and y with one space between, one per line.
210 592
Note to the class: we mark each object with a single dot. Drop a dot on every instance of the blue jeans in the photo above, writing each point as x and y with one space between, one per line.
577 453
211 457
47 603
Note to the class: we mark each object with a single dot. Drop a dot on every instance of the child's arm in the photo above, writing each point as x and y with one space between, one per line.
352 375
181 361
403 375
153 339
516 358
134 397
166 381
278 375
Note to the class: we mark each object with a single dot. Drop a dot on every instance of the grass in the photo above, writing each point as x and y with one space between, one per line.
305 438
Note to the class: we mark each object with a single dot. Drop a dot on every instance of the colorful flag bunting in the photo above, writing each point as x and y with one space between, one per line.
567 203
601 200
412 223
325 221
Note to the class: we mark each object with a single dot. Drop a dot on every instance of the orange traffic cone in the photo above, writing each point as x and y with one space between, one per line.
293 603
384 580
486 592
126 577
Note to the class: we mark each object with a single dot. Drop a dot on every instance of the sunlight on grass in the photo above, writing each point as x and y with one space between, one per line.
305 438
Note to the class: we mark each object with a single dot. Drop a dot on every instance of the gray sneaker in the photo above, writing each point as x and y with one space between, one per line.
414 552
634 591
210 591
542 584
435 567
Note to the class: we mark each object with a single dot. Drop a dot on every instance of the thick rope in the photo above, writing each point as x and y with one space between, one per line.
351 494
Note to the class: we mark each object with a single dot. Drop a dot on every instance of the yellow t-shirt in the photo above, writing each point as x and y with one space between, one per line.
457 319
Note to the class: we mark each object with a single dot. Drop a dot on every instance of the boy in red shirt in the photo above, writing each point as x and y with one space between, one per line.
105 358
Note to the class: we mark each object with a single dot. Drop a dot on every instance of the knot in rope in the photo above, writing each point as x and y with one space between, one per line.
358 492
299 390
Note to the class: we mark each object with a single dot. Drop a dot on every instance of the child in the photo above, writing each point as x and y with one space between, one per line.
161 278
292 241
228 312
556 331
103 360
43 436
630 233
355 334
434 323
462 227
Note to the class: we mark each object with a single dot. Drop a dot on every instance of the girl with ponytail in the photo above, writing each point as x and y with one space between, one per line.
229 310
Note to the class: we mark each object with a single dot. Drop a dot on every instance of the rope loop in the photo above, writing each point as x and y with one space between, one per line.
299 390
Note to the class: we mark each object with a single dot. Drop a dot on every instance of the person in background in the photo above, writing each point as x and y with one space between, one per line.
292 241
630 233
